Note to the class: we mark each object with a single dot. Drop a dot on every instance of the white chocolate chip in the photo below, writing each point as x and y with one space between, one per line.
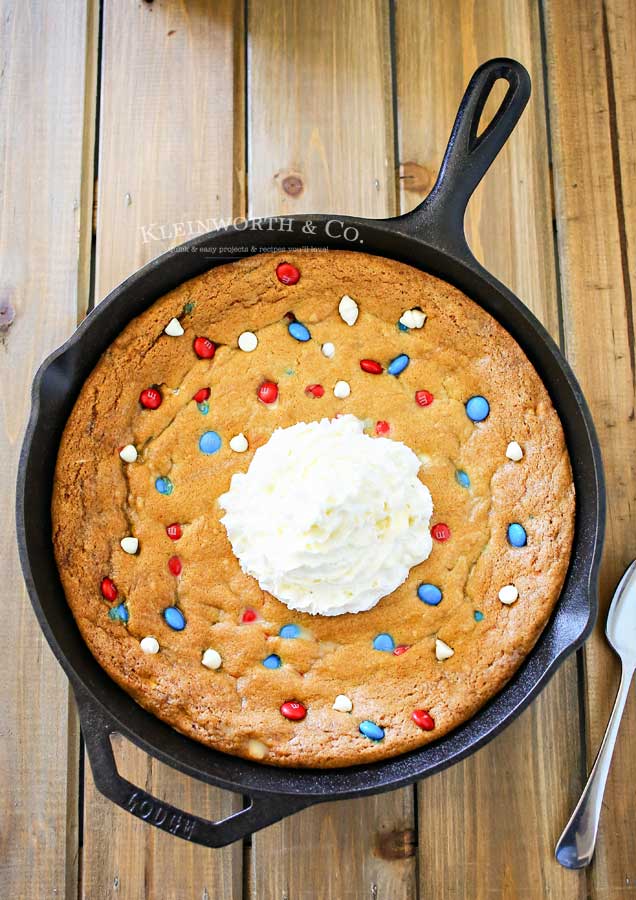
257 749
413 318
348 309
211 659
129 545
508 594
514 451
128 453
328 350
174 328
442 650
239 443
341 389
149 645
247 341
342 703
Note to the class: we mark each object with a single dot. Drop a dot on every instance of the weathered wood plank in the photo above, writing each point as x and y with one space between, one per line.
171 153
591 94
320 130
497 815
320 138
47 96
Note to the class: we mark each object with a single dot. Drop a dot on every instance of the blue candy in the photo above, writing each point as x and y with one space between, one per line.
371 730
118 613
204 408
429 593
383 642
209 442
478 615
398 365
289 631
477 409
272 661
462 478
517 535
174 618
402 327
164 485
298 331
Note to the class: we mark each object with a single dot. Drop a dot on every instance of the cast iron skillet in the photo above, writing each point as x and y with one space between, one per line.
430 238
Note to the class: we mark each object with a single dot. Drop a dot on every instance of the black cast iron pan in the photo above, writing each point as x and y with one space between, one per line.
430 238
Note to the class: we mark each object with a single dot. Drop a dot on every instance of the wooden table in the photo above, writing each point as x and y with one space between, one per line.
126 126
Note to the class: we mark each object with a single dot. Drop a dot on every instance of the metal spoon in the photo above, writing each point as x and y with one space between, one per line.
576 845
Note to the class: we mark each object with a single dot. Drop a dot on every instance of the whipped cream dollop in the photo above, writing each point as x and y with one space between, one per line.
328 519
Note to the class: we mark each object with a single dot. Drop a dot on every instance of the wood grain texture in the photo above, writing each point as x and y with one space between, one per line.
590 53
46 54
170 159
320 139
499 813
319 108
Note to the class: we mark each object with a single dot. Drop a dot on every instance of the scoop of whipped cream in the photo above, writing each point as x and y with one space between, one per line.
328 519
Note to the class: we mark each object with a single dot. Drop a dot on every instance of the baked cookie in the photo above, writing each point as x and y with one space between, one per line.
180 403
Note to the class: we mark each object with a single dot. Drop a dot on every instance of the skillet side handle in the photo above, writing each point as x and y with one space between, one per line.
439 219
260 812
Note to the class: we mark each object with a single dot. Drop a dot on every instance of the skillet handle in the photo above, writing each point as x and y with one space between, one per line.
261 811
439 219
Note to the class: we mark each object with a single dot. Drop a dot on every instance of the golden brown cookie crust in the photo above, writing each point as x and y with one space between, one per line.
98 499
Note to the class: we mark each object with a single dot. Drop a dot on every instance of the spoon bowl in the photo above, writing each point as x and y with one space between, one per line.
621 620
576 845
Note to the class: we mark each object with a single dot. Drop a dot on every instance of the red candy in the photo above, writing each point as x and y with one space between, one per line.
268 392
204 348
402 648
423 719
249 616
371 366
174 531
293 710
150 398
287 274
441 532
314 390
382 427
109 591
174 565
202 395
423 398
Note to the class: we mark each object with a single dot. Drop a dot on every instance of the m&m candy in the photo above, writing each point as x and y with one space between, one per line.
150 398
371 366
175 566
202 395
383 642
273 661
204 348
371 730
287 274
299 332
268 392
398 365
293 710
108 589
423 398
174 618
441 532
517 536
209 442
423 719
477 409
429 594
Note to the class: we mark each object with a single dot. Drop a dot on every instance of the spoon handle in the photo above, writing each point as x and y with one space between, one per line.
576 845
